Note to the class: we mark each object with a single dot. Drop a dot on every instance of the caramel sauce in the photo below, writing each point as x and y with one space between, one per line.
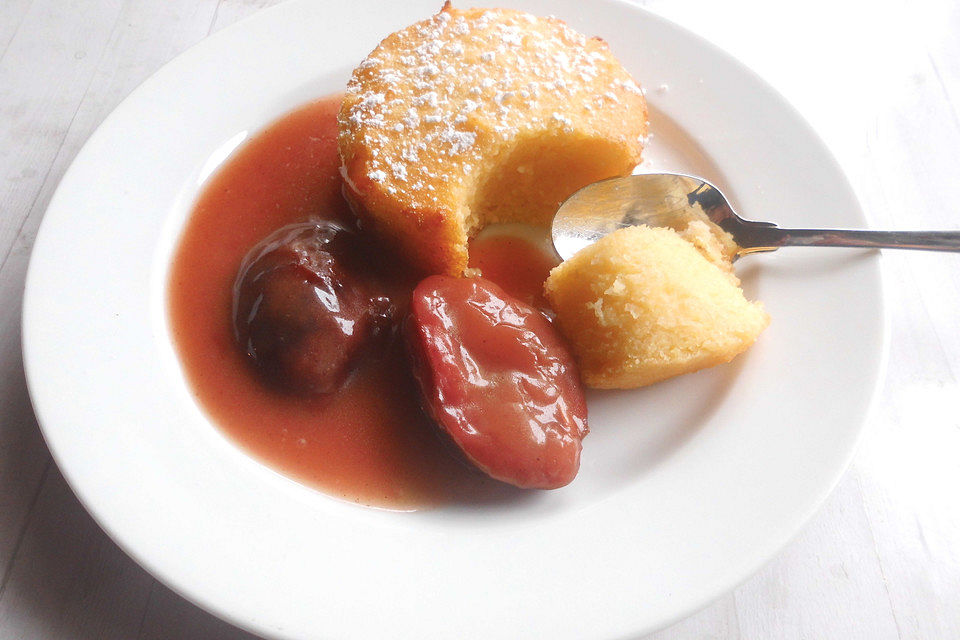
370 442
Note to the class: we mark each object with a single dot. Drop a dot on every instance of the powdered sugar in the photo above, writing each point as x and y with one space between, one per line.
432 90
459 141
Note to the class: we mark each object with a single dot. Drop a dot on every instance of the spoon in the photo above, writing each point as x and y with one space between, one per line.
673 200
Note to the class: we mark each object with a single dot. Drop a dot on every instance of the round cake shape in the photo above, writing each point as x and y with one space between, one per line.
479 116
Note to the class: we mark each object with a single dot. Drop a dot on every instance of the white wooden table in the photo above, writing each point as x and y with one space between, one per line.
880 82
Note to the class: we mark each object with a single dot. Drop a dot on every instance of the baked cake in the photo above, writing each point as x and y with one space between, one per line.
642 304
478 116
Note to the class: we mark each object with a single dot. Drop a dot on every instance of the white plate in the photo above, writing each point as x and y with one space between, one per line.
685 489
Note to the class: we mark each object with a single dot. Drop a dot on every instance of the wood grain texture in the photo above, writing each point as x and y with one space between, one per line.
881 87
34 116
881 559
61 576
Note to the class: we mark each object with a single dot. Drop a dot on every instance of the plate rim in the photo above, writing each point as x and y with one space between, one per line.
30 293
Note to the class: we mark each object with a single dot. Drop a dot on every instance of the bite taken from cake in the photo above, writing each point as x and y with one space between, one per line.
376 348
480 116
644 304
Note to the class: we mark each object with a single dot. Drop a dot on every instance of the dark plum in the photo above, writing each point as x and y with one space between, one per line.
304 309
498 378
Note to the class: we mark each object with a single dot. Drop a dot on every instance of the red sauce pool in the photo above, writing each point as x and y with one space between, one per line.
368 443
516 264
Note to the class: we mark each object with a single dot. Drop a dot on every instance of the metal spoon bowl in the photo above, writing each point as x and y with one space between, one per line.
674 199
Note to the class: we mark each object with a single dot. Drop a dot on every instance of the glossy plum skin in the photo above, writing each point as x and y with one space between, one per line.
303 309
499 380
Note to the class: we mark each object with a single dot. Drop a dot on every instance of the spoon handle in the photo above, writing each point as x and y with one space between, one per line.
769 238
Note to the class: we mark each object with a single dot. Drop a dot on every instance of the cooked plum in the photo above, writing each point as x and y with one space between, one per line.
499 380
301 310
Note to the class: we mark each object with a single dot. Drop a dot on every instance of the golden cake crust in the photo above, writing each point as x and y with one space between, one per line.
642 304
478 116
